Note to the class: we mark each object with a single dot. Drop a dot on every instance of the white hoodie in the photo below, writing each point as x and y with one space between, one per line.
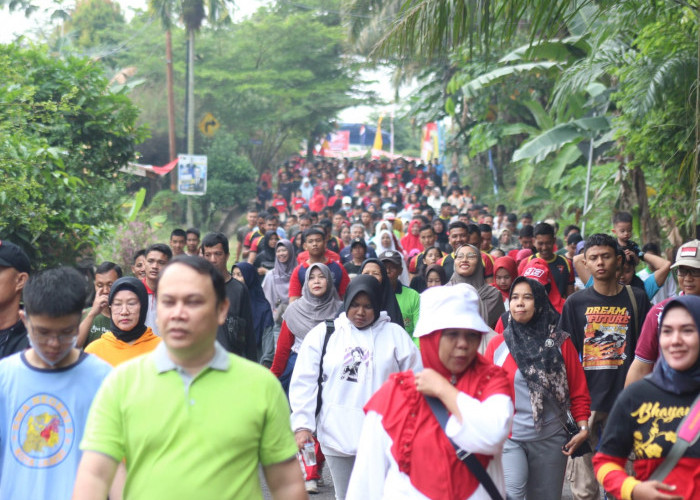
356 364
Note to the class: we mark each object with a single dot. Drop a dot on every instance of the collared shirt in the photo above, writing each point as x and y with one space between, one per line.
220 361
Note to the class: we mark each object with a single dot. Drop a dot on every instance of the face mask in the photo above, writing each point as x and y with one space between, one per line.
52 364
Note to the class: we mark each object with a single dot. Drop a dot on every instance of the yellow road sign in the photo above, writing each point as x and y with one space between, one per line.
209 125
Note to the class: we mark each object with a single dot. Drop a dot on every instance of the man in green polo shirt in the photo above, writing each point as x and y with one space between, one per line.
408 298
190 419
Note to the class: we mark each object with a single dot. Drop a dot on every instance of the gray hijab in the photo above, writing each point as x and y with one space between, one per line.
276 286
490 299
307 312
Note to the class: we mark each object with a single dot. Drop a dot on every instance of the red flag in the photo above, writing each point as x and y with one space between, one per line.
165 168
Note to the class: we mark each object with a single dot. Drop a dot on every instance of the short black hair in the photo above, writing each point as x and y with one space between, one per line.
326 224
572 227
203 267
314 230
512 218
426 227
473 229
622 217
527 231
56 292
601 240
574 238
193 230
652 248
501 209
271 217
140 253
526 215
213 239
305 217
543 229
107 266
457 225
485 228
178 232
162 248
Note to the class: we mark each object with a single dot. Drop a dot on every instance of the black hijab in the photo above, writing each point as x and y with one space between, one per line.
664 376
536 349
387 298
266 256
133 285
369 285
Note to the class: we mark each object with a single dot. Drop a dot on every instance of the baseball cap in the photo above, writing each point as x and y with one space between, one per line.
361 185
391 256
340 177
13 256
347 200
358 241
338 187
688 255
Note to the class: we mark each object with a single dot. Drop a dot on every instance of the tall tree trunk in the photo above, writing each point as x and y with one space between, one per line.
172 148
649 225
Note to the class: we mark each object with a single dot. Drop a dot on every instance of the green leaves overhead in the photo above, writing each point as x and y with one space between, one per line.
551 140
473 87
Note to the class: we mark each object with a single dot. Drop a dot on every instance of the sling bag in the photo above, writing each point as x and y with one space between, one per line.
466 457
687 435
330 328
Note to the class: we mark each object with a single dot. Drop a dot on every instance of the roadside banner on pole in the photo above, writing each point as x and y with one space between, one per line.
192 174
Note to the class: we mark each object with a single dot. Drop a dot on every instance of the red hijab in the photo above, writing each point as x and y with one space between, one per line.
420 446
509 264
410 242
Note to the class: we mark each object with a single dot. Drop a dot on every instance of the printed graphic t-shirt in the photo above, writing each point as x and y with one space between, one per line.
605 332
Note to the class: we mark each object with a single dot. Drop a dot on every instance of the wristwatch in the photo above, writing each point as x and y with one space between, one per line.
583 428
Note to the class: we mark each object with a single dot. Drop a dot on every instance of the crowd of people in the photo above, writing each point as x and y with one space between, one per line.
375 318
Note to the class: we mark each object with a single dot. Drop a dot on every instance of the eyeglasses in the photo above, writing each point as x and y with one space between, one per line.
45 337
693 272
129 306
468 256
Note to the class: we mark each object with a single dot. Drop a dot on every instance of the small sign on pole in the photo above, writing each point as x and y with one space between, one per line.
209 125
192 174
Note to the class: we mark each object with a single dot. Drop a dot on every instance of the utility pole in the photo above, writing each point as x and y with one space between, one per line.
172 147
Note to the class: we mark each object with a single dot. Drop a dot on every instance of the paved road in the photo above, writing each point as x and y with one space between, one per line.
327 493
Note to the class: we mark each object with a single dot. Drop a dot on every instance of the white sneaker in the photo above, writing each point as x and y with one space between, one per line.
311 486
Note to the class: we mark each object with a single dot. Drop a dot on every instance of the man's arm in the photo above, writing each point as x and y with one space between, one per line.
95 475
637 371
661 266
100 303
285 480
583 273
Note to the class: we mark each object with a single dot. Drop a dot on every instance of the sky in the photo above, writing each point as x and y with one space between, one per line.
15 24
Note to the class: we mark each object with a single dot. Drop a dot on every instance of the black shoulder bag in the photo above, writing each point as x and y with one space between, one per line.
464 456
330 328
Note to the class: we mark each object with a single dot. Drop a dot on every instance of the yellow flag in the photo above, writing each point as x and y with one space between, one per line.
378 136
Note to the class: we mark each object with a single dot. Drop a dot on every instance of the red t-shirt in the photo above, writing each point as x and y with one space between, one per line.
280 204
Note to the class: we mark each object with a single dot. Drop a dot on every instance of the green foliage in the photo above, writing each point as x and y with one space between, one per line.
96 27
63 138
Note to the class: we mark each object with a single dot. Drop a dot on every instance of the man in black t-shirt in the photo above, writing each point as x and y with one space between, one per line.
14 272
560 267
604 322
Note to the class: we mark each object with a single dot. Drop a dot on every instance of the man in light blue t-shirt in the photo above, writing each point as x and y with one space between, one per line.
46 391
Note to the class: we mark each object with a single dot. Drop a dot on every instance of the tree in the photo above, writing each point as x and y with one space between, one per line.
63 138
276 78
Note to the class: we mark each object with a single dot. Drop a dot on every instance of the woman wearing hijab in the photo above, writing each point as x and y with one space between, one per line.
276 283
404 452
376 269
646 416
263 322
545 373
435 276
128 336
265 257
364 349
442 240
319 302
307 190
386 242
469 268
412 239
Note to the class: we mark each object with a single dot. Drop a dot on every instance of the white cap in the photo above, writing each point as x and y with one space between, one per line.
338 187
443 307
347 200
688 255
